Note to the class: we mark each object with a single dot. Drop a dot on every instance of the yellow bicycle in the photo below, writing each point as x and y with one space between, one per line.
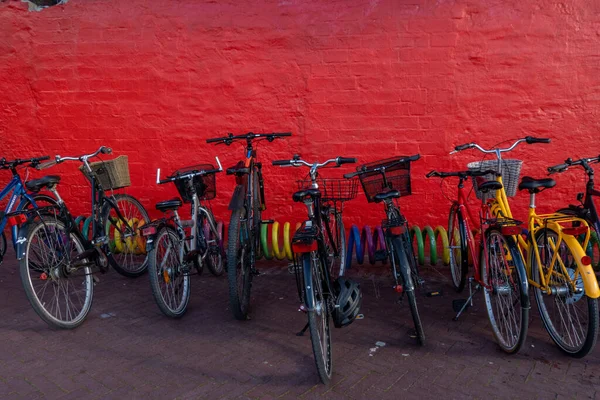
558 269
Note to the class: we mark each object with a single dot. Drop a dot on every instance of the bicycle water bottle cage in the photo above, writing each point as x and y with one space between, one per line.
48 181
304 240
301 195
167 205
536 185
238 170
392 194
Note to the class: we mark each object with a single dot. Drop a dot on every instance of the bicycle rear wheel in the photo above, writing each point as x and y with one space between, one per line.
570 317
2 245
457 242
318 318
128 247
59 289
239 268
506 296
169 280
337 266
404 268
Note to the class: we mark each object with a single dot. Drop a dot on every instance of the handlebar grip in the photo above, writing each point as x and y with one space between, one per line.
105 150
214 140
531 140
346 160
281 162
350 175
463 146
414 157
557 168
38 159
283 134
46 165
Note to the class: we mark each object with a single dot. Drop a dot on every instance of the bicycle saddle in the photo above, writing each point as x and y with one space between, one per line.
166 205
536 185
392 194
486 186
301 194
48 181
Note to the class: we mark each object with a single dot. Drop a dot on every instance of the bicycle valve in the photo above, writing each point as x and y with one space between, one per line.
157 176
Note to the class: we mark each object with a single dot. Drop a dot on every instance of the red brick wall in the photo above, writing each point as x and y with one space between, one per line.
370 79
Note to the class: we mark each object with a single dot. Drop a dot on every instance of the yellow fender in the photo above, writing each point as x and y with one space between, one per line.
590 283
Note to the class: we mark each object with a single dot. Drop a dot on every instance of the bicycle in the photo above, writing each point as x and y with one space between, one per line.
171 251
16 188
246 205
586 210
564 283
320 295
56 260
386 181
498 265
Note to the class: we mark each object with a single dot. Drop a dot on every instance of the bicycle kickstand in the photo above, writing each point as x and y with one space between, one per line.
301 333
469 301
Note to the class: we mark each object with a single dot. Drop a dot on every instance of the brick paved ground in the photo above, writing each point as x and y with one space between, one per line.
136 352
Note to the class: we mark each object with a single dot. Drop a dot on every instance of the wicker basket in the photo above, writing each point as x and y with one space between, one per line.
333 189
205 186
110 174
511 171
397 177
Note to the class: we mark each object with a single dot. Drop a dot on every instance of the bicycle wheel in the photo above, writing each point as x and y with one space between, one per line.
128 248
570 317
506 290
257 205
239 270
318 318
169 280
2 245
215 255
337 264
457 242
59 288
409 287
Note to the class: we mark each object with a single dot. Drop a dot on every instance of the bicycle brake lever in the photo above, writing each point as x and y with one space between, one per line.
219 163
158 176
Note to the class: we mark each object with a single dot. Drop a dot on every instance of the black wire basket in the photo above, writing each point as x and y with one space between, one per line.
205 186
397 177
333 189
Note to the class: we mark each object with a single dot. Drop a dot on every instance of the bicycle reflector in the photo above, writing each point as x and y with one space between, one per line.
148 230
304 247
17 220
576 230
586 260
511 230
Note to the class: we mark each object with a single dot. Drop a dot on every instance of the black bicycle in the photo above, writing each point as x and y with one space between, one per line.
172 252
56 260
247 203
321 296
386 181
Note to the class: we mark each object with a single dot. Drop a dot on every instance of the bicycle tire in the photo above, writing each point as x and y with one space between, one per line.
321 343
587 345
215 255
134 246
336 227
457 243
55 275
174 299
409 287
2 246
512 288
238 263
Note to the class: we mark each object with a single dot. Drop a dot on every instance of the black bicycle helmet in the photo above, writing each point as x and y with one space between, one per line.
348 302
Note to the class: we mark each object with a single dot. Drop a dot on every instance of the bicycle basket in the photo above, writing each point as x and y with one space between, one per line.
205 186
511 170
397 177
333 189
110 174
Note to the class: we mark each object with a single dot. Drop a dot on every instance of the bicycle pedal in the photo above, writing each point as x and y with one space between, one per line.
458 304
381 255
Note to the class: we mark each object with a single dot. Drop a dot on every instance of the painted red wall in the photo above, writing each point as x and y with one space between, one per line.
371 79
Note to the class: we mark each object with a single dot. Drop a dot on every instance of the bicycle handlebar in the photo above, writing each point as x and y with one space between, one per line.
248 136
34 161
462 174
414 157
528 139
297 162
570 163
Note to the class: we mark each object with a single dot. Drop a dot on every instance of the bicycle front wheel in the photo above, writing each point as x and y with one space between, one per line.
239 270
569 316
506 294
59 287
215 253
128 247
409 287
457 243
318 317
337 243
169 280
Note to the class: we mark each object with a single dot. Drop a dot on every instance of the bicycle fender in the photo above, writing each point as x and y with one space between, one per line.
21 241
590 283
237 199
309 298
151 239
520 265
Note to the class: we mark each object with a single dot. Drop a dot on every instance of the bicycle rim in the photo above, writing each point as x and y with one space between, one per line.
59 291
457 246
570 318
508 318
170 283
239 268
336 267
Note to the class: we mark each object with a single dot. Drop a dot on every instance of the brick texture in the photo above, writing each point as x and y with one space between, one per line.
355 78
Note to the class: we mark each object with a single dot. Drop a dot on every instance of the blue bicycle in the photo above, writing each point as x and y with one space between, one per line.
20 199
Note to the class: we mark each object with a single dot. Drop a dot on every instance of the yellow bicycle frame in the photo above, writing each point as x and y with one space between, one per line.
555 222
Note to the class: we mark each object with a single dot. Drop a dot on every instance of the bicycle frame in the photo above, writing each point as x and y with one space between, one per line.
18 192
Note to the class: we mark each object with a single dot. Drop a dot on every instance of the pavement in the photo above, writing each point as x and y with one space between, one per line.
128 350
